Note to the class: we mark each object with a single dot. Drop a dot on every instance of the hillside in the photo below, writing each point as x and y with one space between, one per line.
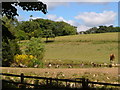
82 48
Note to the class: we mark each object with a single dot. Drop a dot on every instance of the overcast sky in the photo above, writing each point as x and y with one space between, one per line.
83 15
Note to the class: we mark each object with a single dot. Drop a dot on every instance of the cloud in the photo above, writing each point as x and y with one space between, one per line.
79 0
82 28
55 18
96 19
71 22
36 18
51 17
52 5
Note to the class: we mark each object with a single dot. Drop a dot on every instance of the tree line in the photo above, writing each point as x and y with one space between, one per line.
101 29
43 28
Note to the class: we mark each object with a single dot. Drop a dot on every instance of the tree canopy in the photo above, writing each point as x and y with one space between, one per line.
102 29
9 9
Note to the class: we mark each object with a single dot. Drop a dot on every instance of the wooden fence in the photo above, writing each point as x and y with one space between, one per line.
84 82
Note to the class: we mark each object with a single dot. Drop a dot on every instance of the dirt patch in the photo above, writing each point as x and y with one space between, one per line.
111 71
109 75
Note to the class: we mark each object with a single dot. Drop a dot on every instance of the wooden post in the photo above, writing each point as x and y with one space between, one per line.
66 83
57 82
22 78
47 81
22 81
50 81
36 83
84 83
75 83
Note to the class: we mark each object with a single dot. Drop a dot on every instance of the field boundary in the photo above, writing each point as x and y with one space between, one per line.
85 82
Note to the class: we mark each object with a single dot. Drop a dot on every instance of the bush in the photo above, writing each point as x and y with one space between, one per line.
21 35
27 60
9 49
35 47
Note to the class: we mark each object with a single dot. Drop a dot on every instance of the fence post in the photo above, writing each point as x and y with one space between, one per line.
66 84
47 81
84 83
87 83
36 83
75 82
57 82
22 77
50 81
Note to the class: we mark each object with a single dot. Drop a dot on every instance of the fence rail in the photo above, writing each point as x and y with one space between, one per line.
82 81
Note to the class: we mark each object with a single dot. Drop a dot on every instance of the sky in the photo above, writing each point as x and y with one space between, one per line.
83 15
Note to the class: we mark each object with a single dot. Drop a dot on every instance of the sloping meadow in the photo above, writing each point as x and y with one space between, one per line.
82 48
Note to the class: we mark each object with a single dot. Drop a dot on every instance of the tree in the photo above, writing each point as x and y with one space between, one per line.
62 29
9 45
68 30
48 34
9 9
92 30
21 35
31 17
58 28
103 29
29 28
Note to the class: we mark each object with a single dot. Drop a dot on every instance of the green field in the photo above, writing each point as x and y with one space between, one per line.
82 48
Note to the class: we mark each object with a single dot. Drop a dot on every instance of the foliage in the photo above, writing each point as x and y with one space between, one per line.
102 29
58 28
30 28
21 35
42 28
37 33
48 34
9 46
27 60
35 47
9 9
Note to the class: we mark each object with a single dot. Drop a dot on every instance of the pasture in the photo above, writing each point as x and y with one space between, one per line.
82 48
75 49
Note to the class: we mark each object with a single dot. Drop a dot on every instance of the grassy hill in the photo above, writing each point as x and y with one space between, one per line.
82 48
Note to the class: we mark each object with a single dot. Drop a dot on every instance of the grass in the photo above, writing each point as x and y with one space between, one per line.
76 49
80 48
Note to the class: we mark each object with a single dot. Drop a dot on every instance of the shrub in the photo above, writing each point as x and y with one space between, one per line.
27 60
35 47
